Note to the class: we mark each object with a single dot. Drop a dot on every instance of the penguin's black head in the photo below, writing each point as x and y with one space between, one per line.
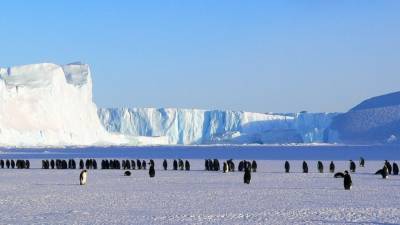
346 172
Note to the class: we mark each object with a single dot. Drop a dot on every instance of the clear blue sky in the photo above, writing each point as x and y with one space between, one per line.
265 56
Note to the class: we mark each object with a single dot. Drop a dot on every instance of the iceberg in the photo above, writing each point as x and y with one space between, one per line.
195 126
51 105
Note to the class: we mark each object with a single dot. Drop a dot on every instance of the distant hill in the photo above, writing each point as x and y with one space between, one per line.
373 121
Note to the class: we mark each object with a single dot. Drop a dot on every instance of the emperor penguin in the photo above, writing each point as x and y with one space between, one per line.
287 167
395 169
254 166
247 176
165 164
225 167
305 167
332 167
362 162
320 167
352 166
347 183
83 177
152 172
385 172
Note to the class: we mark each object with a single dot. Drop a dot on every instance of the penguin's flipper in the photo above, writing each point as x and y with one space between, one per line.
379 172
339 175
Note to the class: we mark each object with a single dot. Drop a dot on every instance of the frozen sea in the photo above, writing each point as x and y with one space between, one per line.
38 196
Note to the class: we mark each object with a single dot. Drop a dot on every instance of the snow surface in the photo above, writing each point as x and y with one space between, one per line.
39 196
195 126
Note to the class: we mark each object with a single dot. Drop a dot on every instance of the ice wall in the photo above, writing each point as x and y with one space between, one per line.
50 105
194 126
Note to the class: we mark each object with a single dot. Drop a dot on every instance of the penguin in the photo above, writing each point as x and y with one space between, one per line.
127 164
12 163
52 164
152 172
240 167
287 167
385 172
127 173
144 164
347 183
231 165
139 164
81 164
187 165
83 177
362 162
180 164
395 169
225 167
123 165
206 165
133 165
165 164
338 175
73 164
152 162
305 167
8 164
332 167
175 165
389 166
320 167
211 165
2 164
27 164
254 166
247 176
94 164
352 166
216 165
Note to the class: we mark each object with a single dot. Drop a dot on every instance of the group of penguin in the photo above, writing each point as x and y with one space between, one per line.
19 164
179 164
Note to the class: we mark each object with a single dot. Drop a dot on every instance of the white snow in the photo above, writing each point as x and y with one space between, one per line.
38 196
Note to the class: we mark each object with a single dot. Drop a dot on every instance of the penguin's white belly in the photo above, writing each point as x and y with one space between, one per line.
83 178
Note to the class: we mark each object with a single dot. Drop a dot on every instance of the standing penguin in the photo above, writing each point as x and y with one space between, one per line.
175 165
347 181
12 163
305 167
320 167
165 164
241 165
247 176
225 167
385 172
187 165
81 164
389 167
395 169
83 177
332 167
152 172
8 164
362 162
352 166
254 166
287 167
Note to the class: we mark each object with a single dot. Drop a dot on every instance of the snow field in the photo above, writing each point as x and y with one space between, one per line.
37 196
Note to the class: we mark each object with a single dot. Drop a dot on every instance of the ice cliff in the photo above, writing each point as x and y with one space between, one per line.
194 126
50 105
